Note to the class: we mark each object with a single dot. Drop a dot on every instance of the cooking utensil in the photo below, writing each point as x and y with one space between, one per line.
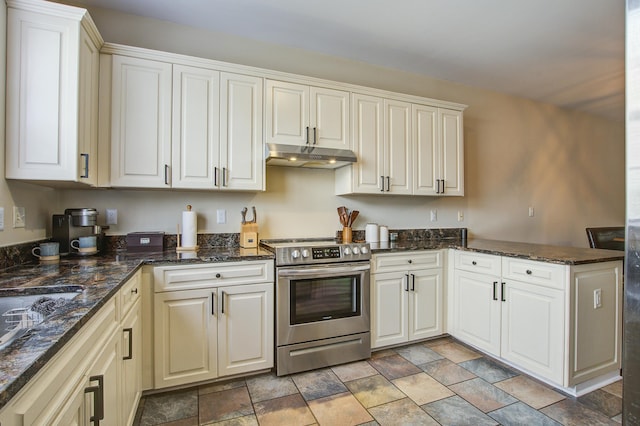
343 215
255 216
353 216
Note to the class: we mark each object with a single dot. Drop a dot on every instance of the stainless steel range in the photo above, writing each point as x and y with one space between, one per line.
322 303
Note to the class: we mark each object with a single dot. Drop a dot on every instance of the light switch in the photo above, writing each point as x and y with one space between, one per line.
221 216
1 218
19 217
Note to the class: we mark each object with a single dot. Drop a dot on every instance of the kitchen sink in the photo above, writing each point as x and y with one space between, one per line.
23 308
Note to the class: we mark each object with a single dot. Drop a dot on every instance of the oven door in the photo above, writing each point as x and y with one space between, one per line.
321 301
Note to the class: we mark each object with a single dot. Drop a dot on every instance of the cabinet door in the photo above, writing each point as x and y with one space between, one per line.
141 123
389 310
398 175
477 310
425 150
245 328
287 115
195 140
185 336
241 150
425 303
43 64
533 329
451 151
368 139
131 336
330 118
105 373
88 110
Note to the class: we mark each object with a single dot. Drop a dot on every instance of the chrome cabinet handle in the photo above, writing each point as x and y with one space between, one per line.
130 332
86 166
166 174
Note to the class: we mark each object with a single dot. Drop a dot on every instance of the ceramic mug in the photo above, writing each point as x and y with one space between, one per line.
85 244
47 250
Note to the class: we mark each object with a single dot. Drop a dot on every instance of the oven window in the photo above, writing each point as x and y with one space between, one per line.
323 299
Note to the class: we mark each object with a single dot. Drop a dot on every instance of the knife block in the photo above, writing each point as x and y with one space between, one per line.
249 235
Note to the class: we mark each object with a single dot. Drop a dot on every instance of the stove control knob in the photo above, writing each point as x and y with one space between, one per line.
364 250
305 253
295 254
356 250
347 251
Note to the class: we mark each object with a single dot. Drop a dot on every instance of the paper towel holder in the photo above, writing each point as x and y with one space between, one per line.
180 248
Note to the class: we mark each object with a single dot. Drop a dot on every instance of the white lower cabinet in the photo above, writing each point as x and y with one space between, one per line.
406 297
212 321
539 316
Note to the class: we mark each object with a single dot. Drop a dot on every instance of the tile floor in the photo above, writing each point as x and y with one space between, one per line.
439 382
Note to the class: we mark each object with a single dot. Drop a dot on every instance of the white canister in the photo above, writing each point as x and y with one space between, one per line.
371 233
384 234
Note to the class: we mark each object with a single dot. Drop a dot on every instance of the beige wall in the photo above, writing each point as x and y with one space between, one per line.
39 203
568 166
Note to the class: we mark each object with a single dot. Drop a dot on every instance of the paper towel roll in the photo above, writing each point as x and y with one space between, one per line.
189 228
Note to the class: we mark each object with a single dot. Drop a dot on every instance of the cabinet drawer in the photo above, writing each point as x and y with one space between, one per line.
534 272
407 261
169 278
477 262
130 293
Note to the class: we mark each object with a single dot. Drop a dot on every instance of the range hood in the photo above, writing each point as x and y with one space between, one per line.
307 156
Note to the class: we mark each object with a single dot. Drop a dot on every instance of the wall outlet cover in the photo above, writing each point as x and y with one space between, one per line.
1 218
19 217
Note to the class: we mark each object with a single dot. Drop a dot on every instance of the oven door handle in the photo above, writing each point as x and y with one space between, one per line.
307 271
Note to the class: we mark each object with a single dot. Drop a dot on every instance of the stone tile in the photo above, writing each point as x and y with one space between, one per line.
191 421
603 402
354 370
439 341
217 387
318 384
617 419
456 411
394 366
374 390
483 395
521 414
383 353
402 412
170 406
225 405
269 386
570 412
614 388
456 352
530 392
238 421
418 354
447 372
489 370
282 411
422 388
341 409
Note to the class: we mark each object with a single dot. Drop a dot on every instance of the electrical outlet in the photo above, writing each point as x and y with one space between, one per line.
597 298
19 217
1 218
221 216
434 215
460 215
531 212
112 217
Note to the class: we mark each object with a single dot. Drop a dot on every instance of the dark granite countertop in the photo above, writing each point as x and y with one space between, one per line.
101 276
541 252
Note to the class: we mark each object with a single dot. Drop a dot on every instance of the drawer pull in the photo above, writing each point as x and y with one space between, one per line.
98 399
410 261
406 288
495 290
134 290
413 282
218 275
474 263
502 296
129 331
529 272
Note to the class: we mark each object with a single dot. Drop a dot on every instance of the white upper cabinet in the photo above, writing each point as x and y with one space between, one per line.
141 123
52 93
241 161
298 114
196 135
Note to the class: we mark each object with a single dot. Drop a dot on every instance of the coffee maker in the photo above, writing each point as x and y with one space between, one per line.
75 223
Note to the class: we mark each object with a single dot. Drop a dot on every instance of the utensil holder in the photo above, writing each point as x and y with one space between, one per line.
347 234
